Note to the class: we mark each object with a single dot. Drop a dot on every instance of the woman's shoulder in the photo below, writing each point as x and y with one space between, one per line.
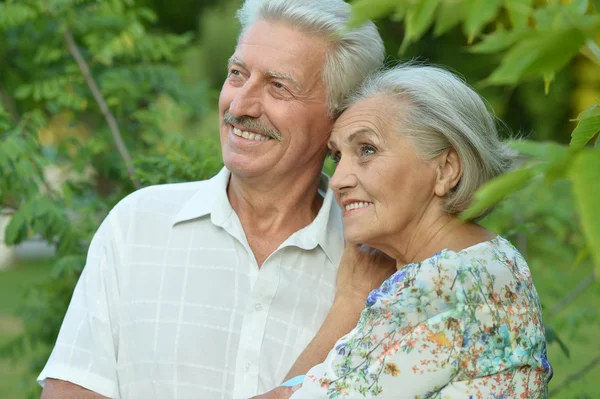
487 268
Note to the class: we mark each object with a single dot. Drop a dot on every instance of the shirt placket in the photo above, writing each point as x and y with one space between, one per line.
253 328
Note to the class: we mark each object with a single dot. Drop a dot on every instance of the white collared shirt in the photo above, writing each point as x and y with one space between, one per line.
172 304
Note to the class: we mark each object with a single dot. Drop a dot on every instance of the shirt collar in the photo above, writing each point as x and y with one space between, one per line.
326 230
210 198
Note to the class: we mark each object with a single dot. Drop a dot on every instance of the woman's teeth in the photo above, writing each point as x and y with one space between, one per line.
250 136
356 205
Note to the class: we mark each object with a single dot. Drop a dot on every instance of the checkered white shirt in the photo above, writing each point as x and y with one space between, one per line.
172 304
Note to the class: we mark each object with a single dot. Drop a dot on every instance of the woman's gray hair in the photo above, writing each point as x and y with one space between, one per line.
354 53
444 112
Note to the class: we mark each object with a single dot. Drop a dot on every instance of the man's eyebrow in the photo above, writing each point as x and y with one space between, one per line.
284 76
234 60
271 74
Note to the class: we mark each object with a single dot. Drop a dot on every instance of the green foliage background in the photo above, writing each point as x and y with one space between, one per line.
158 66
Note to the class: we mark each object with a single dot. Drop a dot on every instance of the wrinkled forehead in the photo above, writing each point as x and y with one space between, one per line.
277 47
378 115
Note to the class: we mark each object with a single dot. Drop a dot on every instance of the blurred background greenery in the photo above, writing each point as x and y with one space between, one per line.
159 66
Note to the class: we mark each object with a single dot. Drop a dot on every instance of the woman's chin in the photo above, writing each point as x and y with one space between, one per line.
354 238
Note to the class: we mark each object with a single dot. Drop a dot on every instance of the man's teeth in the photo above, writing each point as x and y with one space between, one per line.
249 136
356 205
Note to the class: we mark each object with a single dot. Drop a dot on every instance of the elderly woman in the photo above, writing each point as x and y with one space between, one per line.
461 317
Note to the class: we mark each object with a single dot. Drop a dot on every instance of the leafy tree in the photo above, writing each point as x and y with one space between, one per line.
91 95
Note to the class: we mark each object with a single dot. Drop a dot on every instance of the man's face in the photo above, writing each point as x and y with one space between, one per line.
273 110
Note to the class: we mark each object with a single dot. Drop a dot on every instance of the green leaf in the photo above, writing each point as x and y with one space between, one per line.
496 189
547 151
68 265
519 12
479 13
499 40
582 255
586 186
579 7
588 126
537 56
16 231
449 14
364 10
13 15
418 19
400 12
548 79
563 16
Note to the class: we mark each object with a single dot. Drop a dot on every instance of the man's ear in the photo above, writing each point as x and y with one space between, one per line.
449 172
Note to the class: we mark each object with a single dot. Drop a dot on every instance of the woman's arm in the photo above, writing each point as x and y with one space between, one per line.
361 270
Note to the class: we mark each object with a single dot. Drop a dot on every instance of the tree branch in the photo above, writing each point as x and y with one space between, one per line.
110 119
575 376
572 295
9 104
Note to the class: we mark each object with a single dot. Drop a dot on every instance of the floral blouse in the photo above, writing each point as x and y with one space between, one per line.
457 325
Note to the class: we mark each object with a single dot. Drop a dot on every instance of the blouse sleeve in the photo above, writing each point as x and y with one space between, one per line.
407 343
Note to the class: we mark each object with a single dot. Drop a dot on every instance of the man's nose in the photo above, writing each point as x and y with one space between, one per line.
247 101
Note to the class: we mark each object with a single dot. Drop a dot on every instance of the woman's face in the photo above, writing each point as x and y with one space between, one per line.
381 184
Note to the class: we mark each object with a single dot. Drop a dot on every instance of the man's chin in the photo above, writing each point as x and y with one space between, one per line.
244 169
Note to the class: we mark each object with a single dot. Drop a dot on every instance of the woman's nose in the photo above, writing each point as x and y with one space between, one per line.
343 177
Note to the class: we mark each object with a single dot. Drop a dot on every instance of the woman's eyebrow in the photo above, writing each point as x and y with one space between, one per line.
358 134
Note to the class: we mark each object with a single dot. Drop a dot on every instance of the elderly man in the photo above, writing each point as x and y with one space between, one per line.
212 289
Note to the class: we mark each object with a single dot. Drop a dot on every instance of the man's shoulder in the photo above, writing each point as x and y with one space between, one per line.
161 201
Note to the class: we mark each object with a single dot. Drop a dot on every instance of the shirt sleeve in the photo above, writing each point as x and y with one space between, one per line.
407 343
86 347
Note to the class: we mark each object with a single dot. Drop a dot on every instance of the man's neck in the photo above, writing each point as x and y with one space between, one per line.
271 210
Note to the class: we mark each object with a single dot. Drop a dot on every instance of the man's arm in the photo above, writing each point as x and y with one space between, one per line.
58 389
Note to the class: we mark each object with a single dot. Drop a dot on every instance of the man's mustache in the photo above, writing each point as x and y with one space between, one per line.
252 124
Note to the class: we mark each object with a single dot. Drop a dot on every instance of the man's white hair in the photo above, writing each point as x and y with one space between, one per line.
441 112
354 53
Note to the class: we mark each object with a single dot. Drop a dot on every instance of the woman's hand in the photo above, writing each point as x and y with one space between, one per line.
278 393
361 270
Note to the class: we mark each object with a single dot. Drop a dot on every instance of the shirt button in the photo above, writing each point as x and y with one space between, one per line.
258 307
247 366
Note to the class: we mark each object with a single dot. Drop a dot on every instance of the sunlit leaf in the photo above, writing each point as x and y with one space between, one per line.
418 19
586 186
588 126
518 12
536 56
496 189
479 13
450 13
499 40
364 10
548 79
547 151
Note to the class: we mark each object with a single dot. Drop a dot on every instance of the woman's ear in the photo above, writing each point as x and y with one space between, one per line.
449 172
